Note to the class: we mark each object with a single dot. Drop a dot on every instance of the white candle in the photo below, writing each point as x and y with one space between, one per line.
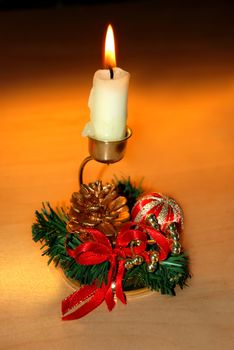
108 100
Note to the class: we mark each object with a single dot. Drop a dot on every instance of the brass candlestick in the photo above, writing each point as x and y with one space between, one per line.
107 152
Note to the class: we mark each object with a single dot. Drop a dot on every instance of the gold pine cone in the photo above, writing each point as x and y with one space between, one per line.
97 206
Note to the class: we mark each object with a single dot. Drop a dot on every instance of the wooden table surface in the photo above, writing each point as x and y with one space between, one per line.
181 106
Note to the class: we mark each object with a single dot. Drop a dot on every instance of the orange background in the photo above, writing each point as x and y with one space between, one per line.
181 105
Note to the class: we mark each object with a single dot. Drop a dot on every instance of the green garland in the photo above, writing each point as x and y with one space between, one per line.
50 230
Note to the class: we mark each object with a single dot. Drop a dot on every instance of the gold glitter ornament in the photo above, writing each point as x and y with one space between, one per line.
154 257
151 267
138 260
97 206
176 246
128 264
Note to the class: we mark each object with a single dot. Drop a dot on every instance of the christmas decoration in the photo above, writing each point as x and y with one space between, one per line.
96 241
163 208
143 252
163 213
97 206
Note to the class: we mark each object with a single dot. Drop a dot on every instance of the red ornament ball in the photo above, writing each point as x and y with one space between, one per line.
165 209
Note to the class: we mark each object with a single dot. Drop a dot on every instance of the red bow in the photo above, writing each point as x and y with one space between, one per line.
88 297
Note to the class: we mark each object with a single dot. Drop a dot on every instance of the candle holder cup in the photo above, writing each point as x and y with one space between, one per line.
107 152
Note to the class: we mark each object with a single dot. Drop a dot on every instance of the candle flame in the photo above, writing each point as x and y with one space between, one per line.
110 61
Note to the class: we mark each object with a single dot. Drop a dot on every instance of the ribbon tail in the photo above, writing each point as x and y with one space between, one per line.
109 294
85 299
109 298
119 287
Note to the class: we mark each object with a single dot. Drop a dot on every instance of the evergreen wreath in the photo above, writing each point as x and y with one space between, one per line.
61 235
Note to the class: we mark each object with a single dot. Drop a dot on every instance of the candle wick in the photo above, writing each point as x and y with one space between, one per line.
111 73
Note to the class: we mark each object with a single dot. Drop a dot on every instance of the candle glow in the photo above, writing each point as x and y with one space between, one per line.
110 60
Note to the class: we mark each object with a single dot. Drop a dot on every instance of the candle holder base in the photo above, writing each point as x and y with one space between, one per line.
134 293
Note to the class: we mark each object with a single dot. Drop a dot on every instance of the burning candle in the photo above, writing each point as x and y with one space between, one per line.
108 98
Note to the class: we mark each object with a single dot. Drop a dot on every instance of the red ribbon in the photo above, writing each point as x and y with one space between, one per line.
88 297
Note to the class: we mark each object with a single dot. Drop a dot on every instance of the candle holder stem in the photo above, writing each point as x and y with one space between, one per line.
81 170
